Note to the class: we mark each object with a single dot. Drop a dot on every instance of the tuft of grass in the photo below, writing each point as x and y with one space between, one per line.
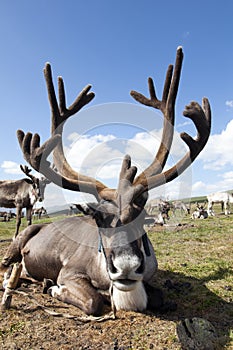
13 328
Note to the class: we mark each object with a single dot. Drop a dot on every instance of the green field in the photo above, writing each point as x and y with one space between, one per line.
195 271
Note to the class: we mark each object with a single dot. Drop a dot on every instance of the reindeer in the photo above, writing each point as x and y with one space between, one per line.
161 214
7 215
179 205
21 194
164 208
200 212
220 197
38 212
107 252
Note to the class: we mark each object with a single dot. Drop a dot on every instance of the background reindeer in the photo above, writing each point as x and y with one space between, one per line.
38 212
200 212
21 194
7 215
181 207
224 198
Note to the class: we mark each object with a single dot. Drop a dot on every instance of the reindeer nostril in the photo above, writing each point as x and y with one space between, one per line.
141 268
112 267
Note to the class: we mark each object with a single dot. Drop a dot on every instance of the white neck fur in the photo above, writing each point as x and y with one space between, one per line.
133 300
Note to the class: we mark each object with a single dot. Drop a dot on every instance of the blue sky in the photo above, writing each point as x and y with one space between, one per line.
116 46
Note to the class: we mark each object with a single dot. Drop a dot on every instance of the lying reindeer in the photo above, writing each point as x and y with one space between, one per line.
106 252
200 212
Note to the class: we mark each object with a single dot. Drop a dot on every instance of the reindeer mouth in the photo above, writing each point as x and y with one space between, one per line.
125 284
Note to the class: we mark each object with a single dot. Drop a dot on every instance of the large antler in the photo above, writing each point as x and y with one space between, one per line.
59 115
153 176
201 117
167 107
36 155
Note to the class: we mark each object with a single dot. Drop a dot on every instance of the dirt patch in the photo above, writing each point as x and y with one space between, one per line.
27 326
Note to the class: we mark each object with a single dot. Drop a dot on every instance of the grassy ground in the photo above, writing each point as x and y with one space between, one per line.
195 271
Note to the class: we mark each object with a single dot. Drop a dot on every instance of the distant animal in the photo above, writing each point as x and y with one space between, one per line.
181 206
224 198
162 214
21 194
38 212
164 208
200 212
4 215
73 209
106 253
7 215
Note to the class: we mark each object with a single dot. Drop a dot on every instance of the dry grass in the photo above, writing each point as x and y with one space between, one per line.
195 271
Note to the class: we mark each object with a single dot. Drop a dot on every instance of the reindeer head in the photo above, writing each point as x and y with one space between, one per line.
38 184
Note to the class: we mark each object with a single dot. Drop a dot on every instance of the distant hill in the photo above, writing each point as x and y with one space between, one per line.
62 210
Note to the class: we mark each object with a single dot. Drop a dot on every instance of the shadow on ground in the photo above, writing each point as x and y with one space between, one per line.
194 299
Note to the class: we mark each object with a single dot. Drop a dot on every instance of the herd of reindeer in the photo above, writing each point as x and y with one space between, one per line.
201 210
26 192
105 255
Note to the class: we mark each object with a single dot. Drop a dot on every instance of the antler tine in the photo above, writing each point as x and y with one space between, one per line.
36 156
126 191
82 99
201 116
33 153
167 107
59 116
61 113
27 171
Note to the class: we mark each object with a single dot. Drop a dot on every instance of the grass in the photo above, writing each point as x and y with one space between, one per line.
200 254
195 271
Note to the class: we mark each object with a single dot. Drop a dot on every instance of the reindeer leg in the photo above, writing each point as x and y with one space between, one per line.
11 285
78 292
29 215
18 219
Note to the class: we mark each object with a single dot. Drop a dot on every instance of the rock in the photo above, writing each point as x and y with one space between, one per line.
197 334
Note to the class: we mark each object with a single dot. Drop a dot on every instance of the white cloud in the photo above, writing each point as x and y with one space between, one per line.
109 171
229 103
144 146
217 153
223 182
10 167
227 176
181 125
100 156
199 185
